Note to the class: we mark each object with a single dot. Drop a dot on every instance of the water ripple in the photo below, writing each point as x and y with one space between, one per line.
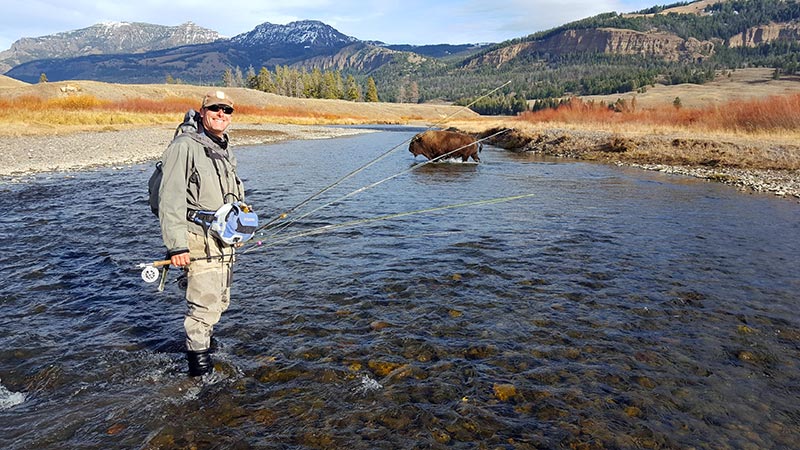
613 309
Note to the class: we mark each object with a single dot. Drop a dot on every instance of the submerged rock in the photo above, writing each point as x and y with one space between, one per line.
505 391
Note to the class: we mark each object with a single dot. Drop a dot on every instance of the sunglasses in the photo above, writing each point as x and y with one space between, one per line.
226 109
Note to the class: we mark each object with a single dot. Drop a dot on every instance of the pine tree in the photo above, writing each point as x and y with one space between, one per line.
238 78
264 81
372 91
351 91
313 87
280 88
329 86
412 95
250 77
227 77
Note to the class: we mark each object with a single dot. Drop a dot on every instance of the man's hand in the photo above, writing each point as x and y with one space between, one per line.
180 260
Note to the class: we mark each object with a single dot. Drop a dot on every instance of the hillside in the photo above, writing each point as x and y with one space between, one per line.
307 110
741 84
613 53
8 82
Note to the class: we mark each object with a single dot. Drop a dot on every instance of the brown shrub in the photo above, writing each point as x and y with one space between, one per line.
769 114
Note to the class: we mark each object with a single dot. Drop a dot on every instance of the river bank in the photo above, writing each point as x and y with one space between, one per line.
26 155
761 164
707 158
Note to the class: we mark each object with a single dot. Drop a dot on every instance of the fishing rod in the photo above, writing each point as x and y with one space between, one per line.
353 223
370 186
285 214
151 273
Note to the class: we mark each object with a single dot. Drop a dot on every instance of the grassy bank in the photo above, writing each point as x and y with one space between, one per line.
760 133
34 115
747 134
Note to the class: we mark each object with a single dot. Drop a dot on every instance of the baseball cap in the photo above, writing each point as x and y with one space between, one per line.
216 98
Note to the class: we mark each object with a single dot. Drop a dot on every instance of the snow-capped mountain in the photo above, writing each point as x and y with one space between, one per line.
312 33
105 38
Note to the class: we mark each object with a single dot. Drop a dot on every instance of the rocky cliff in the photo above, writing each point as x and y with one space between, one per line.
662 45
765 34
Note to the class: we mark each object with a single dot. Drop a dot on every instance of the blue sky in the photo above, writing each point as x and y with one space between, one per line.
390 21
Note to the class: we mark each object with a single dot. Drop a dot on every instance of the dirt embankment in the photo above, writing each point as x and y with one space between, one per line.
751 163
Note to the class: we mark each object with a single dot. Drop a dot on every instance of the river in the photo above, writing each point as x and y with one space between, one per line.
608 308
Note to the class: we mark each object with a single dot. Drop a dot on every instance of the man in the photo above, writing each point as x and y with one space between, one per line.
199 174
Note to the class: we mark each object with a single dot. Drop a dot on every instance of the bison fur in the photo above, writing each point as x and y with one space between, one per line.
435 144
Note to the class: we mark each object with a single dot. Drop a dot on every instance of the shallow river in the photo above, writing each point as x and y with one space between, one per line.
613 308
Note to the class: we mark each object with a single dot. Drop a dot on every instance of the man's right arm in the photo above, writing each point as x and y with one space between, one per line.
172 201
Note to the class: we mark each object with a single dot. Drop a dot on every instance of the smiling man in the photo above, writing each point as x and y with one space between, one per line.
199 177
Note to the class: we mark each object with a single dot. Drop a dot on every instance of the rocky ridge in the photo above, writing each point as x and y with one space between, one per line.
766 34
304 32
666 46
105 38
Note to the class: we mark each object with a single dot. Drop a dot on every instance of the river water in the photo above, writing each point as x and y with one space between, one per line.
612 308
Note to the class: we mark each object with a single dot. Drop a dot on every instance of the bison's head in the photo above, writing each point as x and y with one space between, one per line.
416 146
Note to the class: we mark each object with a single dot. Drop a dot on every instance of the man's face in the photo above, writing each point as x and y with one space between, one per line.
215 122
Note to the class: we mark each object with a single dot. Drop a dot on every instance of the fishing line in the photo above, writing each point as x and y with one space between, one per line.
370 163
150 271
284 225
353 223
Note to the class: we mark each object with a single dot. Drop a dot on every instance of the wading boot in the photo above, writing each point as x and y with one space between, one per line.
214 346
199 363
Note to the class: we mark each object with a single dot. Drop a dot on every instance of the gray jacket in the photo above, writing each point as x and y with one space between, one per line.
196 173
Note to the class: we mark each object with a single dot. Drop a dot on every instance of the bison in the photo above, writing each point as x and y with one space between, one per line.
435 144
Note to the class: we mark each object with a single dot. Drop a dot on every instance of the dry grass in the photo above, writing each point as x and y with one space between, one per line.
67 106
741 84
773 114
89 110
739 120
749 134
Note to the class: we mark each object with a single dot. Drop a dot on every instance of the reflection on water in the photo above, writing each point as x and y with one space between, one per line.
613 309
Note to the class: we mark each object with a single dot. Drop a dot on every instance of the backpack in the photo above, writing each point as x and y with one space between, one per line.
190 120
153 186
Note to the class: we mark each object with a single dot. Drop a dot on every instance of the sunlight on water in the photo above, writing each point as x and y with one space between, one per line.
367 385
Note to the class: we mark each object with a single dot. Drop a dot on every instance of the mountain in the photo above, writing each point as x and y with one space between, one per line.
267 45
306 33
440 51
688 32
105 38
688 42
616 53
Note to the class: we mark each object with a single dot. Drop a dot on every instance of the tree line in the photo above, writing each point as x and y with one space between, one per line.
541 76
301 83
550 77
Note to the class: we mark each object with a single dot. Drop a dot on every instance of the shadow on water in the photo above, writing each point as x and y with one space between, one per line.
612 309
